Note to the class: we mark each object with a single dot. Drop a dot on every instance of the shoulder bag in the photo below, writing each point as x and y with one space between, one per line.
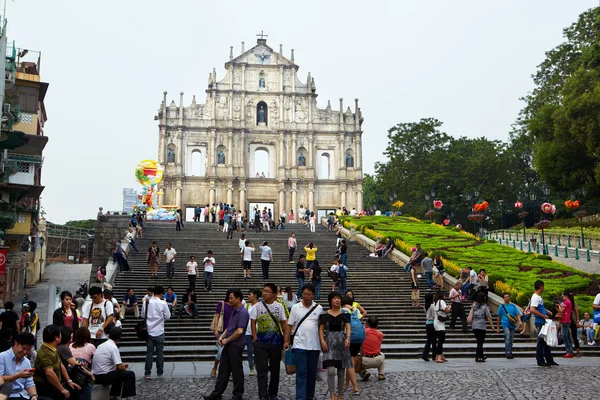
141 329
511 319
220 321
442 316
290 367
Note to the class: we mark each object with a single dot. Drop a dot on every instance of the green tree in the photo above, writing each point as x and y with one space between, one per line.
560 117
84 223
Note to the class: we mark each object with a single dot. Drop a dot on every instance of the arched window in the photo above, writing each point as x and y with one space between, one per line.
171 153
197 167
262 113
325 167
261 163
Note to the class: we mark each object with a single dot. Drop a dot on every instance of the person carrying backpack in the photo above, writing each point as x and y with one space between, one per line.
357 337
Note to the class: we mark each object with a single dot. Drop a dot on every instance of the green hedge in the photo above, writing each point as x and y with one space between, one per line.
519 270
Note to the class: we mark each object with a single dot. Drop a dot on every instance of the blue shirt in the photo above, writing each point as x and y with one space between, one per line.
239 319
9 366
538 303
170 299
129 300
512 310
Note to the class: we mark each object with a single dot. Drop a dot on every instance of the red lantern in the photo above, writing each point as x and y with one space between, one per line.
437 204
446 222
518 204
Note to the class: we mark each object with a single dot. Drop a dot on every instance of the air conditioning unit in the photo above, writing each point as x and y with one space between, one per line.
6 109
9 76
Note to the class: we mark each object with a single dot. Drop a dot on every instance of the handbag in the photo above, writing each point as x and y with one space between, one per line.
470 317
290 367
108 327
442 316
141 329
78 376
220 321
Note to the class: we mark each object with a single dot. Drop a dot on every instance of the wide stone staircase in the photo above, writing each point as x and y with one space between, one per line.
380 286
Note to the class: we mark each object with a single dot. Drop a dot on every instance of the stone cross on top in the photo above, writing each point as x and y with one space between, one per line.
262 37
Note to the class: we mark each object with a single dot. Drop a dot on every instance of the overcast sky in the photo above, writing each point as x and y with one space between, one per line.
466 63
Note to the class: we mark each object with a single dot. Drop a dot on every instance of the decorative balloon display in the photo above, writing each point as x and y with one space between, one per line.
437 204
149 174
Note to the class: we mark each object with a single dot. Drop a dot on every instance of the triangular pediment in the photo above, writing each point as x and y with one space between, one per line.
261 54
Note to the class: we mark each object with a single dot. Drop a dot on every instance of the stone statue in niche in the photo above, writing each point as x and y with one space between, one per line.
170 154
261 114
301 160
221 157
349 160
261 82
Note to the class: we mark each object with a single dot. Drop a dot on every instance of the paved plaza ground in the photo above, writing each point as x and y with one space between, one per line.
500 379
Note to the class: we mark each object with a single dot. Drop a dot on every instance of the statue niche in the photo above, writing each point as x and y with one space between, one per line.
349 160
170 154
262 113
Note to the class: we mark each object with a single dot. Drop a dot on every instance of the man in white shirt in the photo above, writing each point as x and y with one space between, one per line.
158 313
130 237
97 315
266 257
170 254
108 369
353 212
209 269
304 321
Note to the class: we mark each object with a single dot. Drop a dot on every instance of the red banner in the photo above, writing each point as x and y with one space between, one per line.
3 261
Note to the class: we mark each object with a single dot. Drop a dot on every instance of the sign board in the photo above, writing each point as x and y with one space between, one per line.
3 261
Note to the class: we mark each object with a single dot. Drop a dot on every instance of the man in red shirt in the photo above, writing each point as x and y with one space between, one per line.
221 219
372 357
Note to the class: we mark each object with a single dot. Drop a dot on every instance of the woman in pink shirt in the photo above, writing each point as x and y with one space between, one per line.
566 307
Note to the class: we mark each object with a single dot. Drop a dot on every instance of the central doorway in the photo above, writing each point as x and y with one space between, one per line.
261 206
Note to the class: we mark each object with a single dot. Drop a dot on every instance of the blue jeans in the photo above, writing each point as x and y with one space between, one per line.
132 243
589 333
306 373
208 279
407 267
509 337
300 284
543 353
345 259
155 344
341 286
86 392
250 349
317 285
565 330
429 278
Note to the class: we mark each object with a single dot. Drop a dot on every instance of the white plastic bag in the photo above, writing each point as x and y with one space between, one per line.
551 337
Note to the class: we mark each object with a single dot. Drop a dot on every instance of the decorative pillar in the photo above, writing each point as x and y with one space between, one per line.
311 199
359 198
292 159
356 119
211 154
161 194
211 193
281 150
294 203
229 193
341 152
163 130
229 161
281 204
242 203
178 195
343 197
341 113
180 108
358 152
310 162
242 154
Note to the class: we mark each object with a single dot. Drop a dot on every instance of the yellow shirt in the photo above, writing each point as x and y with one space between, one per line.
311 253
356 306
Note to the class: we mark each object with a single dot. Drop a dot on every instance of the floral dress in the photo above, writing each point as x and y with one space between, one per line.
338 355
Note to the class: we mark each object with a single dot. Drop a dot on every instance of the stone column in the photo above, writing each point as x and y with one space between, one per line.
310 149
161 145
229 193
178 194
242 203
211 155
294 203
281 204
281 151
341 158
341 113
343 197
160 197
229 161
211 193
356 119
358 153
242 154
180 153
359 198
293 156
311 199
281 81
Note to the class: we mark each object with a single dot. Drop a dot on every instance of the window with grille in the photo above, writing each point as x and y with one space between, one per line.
21 218
23 167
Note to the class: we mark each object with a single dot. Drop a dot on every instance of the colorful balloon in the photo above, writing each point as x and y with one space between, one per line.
148 173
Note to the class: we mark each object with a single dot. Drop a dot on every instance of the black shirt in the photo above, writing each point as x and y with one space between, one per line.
9 319
299 266
316 272
343 249
186 298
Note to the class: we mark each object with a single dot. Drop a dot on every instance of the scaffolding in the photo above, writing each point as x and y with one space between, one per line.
61 242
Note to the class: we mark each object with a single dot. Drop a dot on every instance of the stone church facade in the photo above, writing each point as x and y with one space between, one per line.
208 150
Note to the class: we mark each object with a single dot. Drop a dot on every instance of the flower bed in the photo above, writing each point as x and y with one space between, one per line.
508 269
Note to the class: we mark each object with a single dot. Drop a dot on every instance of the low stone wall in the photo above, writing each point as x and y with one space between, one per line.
108 228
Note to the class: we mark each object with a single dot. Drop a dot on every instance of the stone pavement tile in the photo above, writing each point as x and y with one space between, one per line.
565 382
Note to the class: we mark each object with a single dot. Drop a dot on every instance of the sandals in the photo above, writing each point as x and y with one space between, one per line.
381 377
